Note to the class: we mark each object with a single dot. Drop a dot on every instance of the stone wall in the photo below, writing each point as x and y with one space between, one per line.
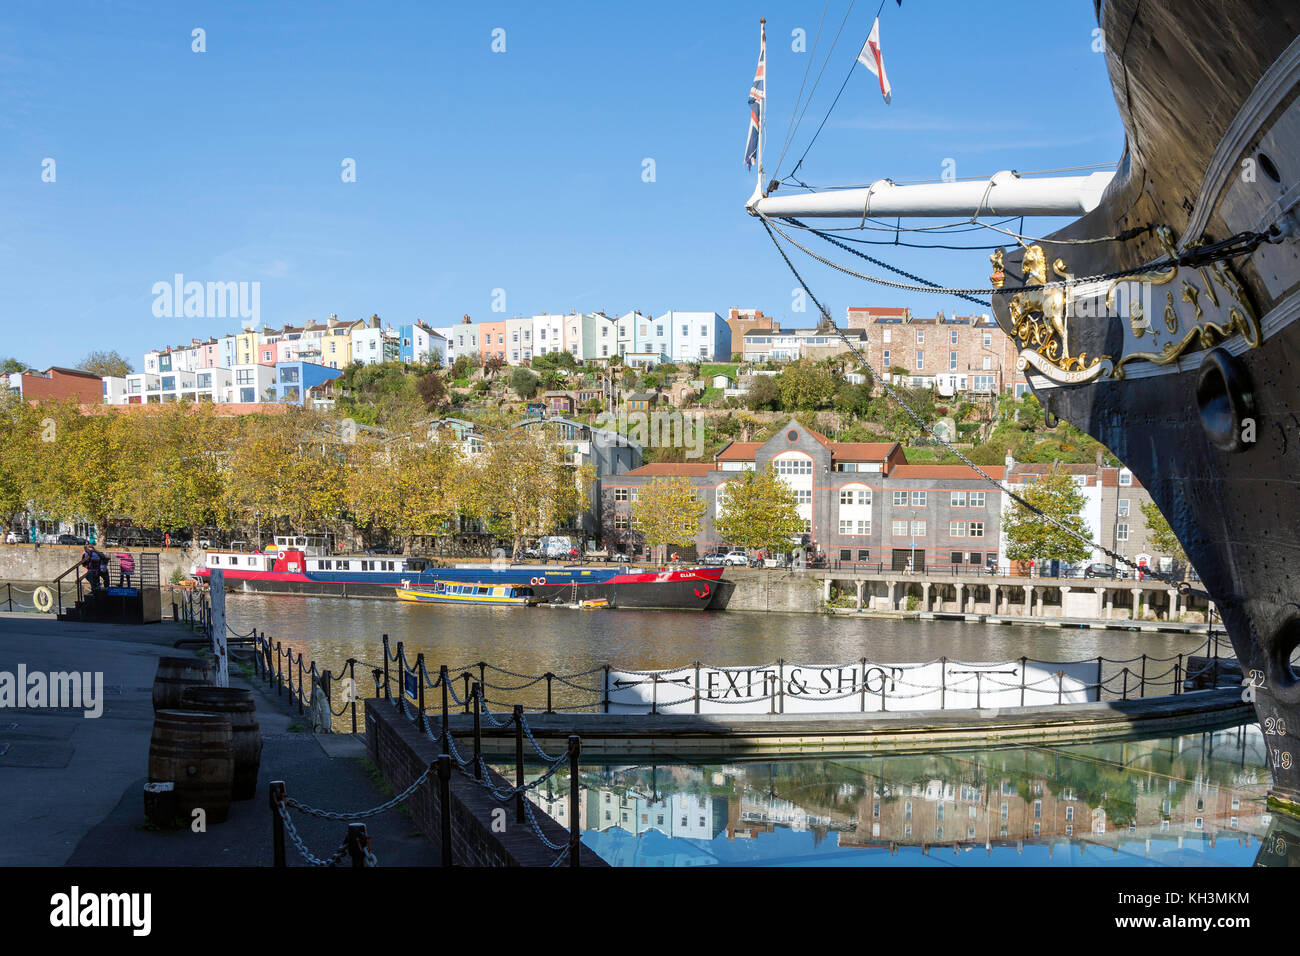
22 562
402 752
757 589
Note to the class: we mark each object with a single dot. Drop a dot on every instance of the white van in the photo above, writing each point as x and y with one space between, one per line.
555 546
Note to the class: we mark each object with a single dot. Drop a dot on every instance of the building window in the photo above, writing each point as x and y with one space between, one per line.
886 360
1038 809
954 557
620 494
1069 813
977 499
920 336
1125 478
958 499
794 466
977 529
620 522
988 362
899 529
952 361
918 499
952 337
900 499
886 335
864 527
1121 532
1123 507
803 496
920 360
988 340
918 529
957 529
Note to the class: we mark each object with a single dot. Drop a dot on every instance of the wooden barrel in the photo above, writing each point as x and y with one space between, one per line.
238 705
174 675
195 751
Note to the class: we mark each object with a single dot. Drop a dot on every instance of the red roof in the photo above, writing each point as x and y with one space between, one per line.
863 450
673 468
740 451
946 471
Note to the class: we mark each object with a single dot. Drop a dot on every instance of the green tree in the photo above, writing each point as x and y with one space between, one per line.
432 389
12 365
1032 538
763 393
806 384
668 511
1160 534
524 383
853 399
106 363
758 510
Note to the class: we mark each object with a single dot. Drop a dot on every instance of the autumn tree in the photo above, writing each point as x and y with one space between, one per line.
403 483
763 393
758 510
1031 537
523 485
667 512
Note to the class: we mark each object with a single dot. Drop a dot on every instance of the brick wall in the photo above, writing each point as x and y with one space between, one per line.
402 752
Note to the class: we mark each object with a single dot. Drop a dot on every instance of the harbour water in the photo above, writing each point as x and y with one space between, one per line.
535 640
1192 800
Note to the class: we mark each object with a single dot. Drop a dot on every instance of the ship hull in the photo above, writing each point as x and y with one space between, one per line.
689 589
1196 389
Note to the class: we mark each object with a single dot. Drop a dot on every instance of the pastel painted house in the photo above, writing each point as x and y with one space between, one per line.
294 380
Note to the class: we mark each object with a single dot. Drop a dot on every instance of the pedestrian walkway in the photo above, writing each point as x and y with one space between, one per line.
74 785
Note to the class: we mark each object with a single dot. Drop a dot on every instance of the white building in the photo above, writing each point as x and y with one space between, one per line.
548 333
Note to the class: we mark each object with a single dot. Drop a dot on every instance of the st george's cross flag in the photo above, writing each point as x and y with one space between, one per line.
756 95
871 58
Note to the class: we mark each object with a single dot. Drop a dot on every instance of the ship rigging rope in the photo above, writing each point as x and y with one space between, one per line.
1237 245
792 126
912 413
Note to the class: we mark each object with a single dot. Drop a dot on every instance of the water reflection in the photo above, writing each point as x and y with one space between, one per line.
1188 800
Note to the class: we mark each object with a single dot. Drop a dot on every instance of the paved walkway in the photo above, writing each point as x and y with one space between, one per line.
74 786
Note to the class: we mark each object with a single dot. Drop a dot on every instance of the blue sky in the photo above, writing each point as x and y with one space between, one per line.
478 171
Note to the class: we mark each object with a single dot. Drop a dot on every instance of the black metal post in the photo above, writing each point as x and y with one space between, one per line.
387 691
575 837
549 675
401 679
1178 675
443 678
465 677
1125 691
482 679
862 702
1024 676
1143 685
352 674
279 669
519 762
1099 679
478 732
444 799
419 676
299 682
358 842
606 700
277 824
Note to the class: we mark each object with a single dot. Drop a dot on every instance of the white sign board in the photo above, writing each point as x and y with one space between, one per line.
217 597
855 687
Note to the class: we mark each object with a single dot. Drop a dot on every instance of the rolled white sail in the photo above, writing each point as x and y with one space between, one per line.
1005 194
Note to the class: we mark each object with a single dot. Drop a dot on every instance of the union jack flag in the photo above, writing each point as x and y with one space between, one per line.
756 94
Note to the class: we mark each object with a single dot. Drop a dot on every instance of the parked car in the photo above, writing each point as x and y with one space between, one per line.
69 539
12 538
715 559
1100 570
736 558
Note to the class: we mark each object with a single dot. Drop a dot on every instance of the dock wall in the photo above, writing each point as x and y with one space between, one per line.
402 752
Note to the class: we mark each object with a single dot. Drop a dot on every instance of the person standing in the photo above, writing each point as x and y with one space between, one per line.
90 566
125 568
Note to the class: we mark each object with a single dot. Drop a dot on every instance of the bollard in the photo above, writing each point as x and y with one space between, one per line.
419 673
549 675
444 798
443 678
478 732
575 836
519 763
277 795
1125 690
482 680
358 843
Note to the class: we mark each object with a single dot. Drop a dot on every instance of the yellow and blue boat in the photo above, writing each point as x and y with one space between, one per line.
468 592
